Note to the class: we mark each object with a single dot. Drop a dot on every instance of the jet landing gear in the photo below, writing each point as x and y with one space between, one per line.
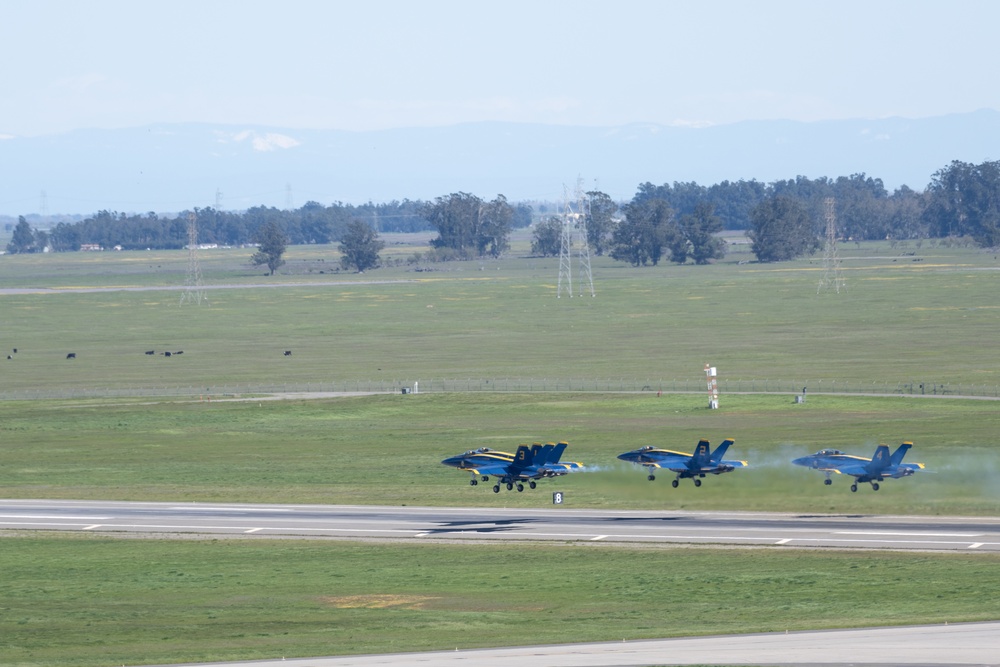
510 487
676 482
854 487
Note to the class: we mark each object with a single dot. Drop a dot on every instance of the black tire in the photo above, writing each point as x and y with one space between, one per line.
828 482
674 483
874 486
697 482
854 488
496 488
651 478
510 485
532 484
473 482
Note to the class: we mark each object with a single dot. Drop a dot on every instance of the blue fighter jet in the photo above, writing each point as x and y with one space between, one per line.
877 469
695 466
512 470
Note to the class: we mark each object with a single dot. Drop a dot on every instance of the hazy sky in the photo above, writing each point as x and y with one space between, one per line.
373 64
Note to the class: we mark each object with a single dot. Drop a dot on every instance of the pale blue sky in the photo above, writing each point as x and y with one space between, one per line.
374 64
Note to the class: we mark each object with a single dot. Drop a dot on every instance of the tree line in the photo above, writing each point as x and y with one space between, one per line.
677 222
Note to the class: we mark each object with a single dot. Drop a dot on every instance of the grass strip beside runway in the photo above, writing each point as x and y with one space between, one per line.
95 601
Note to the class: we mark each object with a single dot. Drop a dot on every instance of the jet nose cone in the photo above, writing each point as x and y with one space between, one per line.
628 456
453 461
804 461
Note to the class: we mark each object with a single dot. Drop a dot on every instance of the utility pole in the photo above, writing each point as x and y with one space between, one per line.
832 275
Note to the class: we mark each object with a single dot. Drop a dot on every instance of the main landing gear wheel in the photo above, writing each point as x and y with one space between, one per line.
674 483
854 488
874 486
697 482
496 488
651 478
532 484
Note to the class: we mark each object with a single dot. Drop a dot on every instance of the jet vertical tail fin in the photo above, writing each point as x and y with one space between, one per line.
720 451
897 456
522 459
556 453
702 456
880 460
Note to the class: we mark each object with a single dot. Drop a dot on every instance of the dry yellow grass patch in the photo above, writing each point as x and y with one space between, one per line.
376 601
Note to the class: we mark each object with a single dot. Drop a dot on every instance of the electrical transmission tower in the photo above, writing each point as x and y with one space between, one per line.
194 292
832 275
574 222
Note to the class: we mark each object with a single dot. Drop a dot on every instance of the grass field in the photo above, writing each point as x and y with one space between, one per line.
91 601
901 321
928 317
387 450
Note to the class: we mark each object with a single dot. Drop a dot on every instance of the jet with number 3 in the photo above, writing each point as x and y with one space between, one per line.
512 470
878 468
694 466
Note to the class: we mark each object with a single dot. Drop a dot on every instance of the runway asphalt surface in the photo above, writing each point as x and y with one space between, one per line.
842 531
965 644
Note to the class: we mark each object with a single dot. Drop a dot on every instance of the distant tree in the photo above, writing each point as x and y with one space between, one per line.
964 200
699 228
600 220
493 227
781 229
360 247
648 228
522 216
455 218
272 246
23 240
547 237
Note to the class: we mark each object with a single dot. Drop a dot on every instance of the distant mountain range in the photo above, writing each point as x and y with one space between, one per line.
173 167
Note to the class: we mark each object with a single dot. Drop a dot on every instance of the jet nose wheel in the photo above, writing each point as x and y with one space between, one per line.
651 478
473 482
697 482
496 488
520 487
674 483
874 486
828 482
510 486
532 484
854 488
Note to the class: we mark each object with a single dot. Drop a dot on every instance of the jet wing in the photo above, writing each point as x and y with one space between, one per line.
494 469
852 469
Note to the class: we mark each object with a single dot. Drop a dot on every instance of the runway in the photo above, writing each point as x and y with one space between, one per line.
965 644
482 524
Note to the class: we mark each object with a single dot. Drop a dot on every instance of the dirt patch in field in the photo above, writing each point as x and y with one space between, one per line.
376 601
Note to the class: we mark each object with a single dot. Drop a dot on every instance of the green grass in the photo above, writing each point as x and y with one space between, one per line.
900 322
92 601
387 450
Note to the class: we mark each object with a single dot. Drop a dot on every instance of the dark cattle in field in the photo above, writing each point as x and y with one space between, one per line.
179 352
15 350
288 353
9 357
150 352
71 355
166 354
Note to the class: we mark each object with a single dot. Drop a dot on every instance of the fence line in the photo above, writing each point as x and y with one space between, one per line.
518 385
